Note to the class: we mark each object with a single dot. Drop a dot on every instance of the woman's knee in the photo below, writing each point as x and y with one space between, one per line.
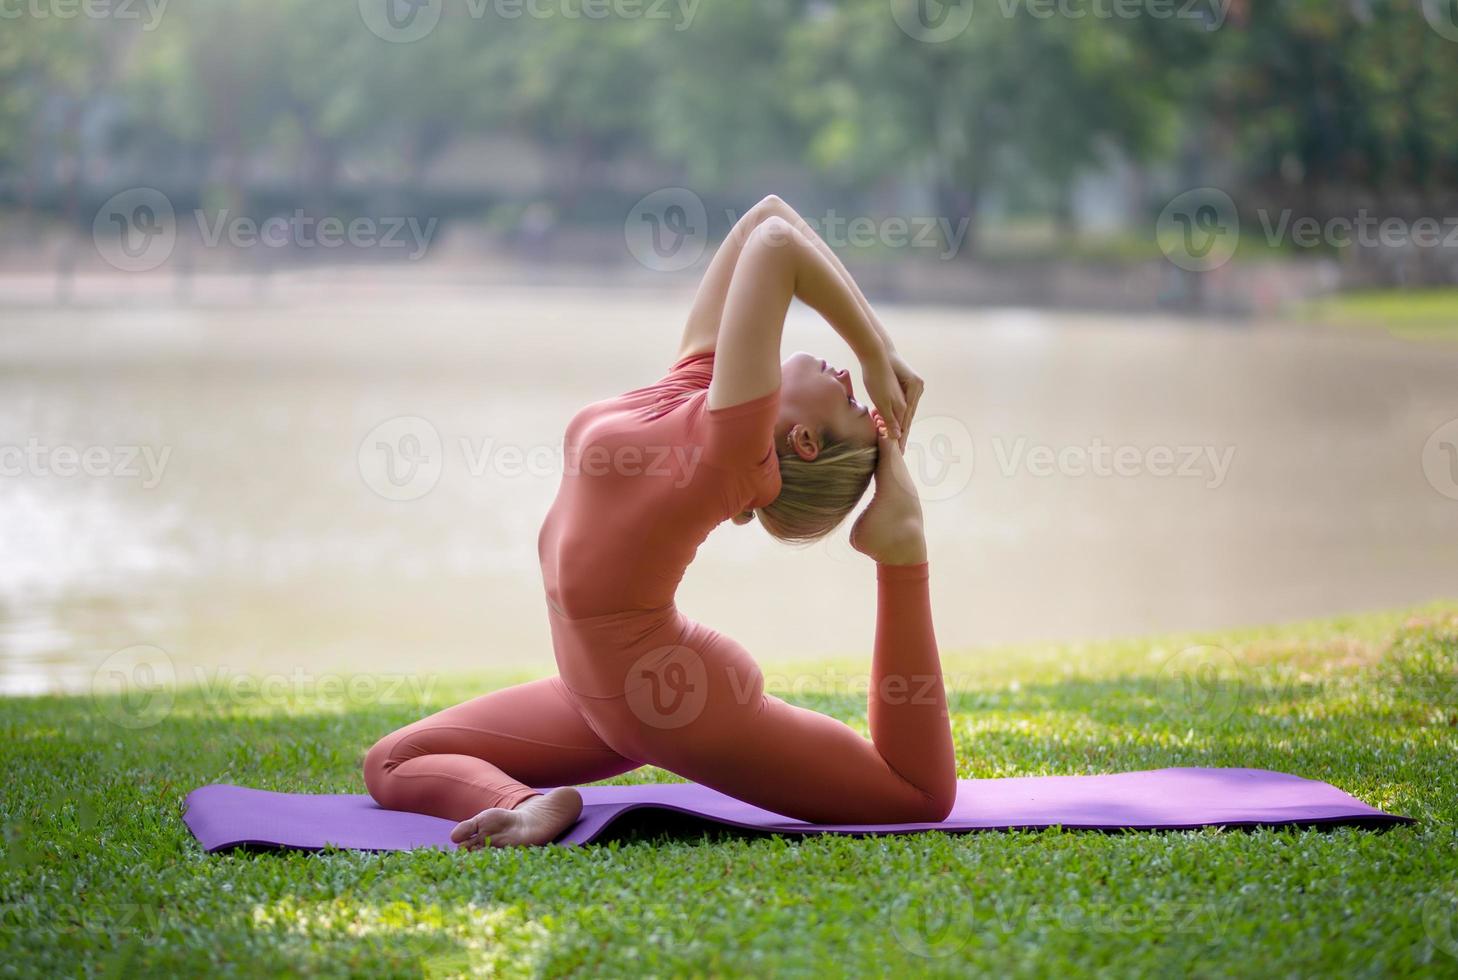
937 805
377 766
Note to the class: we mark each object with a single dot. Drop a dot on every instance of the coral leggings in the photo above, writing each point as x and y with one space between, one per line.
655 688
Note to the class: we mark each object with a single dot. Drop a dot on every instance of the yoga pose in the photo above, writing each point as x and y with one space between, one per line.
729 433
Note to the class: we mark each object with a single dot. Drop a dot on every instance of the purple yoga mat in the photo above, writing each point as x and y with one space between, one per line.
223 816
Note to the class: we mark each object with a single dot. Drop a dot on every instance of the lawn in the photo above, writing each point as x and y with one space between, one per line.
100 876
1414 314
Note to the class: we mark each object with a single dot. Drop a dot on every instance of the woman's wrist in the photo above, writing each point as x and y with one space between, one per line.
870 349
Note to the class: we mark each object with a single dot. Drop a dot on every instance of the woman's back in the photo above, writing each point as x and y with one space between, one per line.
646 476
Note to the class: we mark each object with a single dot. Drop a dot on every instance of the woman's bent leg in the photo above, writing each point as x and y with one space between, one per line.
797 762
489 752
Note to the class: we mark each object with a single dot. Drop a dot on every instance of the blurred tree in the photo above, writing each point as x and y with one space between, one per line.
211 77
1328 96
1013 97
722 104
1320 103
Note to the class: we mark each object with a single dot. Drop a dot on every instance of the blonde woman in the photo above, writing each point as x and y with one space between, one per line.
730 433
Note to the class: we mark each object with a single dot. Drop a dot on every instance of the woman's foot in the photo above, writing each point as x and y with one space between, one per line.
536 820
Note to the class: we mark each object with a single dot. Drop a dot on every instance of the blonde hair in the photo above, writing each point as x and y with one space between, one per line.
816 495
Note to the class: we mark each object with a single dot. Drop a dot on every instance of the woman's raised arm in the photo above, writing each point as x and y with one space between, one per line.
701 332
702 329
776 264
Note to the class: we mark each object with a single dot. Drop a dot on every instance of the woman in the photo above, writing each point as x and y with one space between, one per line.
729 434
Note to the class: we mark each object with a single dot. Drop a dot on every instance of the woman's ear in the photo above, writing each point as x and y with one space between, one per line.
744 517
805 443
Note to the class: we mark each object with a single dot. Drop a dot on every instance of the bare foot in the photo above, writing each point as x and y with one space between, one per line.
537 820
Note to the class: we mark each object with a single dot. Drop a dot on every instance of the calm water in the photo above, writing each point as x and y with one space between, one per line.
328 487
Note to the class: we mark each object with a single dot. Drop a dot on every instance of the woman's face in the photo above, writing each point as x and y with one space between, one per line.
820 397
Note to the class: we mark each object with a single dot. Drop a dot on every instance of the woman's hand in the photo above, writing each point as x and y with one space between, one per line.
911 388
890 529
884 388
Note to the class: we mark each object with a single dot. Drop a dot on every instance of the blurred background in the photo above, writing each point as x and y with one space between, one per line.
296 299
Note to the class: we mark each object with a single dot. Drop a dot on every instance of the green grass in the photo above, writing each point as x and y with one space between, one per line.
1414 314
99 875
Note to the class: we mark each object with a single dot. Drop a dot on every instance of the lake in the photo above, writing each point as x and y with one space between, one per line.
353 480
